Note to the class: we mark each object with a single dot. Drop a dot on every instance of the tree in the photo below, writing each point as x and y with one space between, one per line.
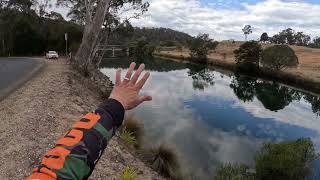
246 31
286 160
289 36
302 39
315 43
100 18
264 37
279 57
248 55
199 47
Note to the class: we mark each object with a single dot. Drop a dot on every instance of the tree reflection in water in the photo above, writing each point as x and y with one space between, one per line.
315 102
272 95
201 76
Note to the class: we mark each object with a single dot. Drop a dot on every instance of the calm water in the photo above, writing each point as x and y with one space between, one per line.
212 117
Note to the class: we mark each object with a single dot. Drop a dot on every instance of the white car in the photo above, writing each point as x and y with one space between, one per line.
52 55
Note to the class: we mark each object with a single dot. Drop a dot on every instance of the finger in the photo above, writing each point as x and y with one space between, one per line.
118 77
137 74
145 98
143 80
129 73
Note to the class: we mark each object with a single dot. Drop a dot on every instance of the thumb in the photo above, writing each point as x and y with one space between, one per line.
145 98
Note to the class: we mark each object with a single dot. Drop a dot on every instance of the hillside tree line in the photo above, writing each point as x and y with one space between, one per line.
27 29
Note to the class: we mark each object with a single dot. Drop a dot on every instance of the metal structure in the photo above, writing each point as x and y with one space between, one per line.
112 48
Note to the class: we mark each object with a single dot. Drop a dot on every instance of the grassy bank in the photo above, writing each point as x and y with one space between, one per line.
290 77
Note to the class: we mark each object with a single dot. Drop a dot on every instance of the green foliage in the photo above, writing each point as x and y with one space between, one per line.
144 49
291 160
273 96
134 126
164 160
248 56
163 37
279 57
127 136
315 103
285 160
201 77
264 37
244 87
129 174
289 36
26 33
168 43
233 172
200 46
315 43
247 29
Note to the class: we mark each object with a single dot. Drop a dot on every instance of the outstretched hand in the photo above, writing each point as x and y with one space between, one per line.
127 91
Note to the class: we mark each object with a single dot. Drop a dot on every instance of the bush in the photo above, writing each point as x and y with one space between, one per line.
200 46
132 130
129 174
127 136
285 161
164 160
248 56
233 172
279 57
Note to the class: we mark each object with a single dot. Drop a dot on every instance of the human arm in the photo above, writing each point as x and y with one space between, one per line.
78 151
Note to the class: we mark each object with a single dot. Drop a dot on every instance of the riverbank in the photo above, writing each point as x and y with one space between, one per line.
35 115
303 77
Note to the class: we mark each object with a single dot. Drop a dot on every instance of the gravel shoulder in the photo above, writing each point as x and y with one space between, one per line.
35 115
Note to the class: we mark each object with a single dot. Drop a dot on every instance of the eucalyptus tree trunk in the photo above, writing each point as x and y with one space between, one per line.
90 39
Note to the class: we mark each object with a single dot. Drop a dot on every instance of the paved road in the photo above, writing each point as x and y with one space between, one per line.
14 72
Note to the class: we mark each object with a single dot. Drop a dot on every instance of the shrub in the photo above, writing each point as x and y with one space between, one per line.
129 174
248 56
233 172
135 126
164 160
279 57
127 136
200 46
286 160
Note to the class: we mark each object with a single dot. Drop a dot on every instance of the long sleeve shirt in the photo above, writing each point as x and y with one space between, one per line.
77 152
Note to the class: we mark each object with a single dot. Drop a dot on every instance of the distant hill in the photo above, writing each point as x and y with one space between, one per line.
158 36
163 36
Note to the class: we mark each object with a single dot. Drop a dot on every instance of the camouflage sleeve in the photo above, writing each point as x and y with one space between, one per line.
77 152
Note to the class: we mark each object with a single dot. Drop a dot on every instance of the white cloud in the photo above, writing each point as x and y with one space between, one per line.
221 23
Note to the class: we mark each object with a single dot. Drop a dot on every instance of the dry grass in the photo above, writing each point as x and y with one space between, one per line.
133 126
164 160
308 69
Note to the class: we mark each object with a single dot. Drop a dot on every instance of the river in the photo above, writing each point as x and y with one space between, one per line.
213 117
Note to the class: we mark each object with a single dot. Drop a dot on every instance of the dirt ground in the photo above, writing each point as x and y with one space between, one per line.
35 115
309 58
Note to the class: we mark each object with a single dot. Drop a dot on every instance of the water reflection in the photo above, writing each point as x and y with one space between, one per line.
213 117
202 77
272 95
